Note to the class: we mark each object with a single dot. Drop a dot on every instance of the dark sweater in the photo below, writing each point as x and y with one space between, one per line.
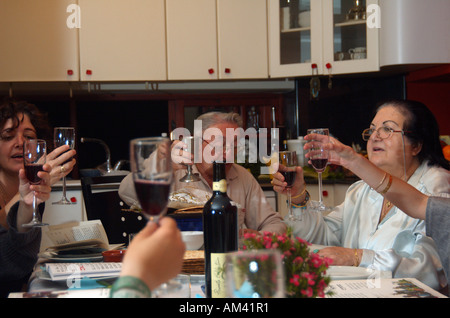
18 253
438 227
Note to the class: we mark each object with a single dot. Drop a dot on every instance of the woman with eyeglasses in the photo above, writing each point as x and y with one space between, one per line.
367 230
432 209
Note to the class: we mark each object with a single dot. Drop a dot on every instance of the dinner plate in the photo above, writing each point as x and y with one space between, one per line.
348 272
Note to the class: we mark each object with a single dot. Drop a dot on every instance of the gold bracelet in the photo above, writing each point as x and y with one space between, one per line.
302 204
382 181
356 260
299 195
388 186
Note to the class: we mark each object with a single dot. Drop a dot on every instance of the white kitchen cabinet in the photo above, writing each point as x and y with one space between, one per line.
122 40
242 39
316 38
223 39
36 41
191 39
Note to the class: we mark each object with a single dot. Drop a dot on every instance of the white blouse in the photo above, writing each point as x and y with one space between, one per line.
398 244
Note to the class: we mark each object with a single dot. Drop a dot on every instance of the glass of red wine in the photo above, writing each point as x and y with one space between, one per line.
319 158
288 165
64 136
151 166
34 157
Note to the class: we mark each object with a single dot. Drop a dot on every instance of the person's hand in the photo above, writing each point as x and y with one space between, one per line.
57 160
42 190
341 256
299 185
155 254
339 153
180 158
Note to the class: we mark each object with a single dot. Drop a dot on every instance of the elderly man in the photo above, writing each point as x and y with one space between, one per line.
255 212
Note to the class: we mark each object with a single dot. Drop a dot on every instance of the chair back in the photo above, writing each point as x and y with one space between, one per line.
102 202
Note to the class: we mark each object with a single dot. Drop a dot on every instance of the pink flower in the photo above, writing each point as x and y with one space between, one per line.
298 260
294 280
308 292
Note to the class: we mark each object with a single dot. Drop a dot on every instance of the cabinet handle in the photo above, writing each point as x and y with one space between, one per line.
88 72
69 72
211 71
227 71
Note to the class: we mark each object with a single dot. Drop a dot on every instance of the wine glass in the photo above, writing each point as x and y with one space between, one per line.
189 177
288 165
64 136
34 157
151 167
254 274
319 160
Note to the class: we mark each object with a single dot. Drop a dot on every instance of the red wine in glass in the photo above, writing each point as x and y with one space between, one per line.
31 171
288 163
289 177
153 195
151 166
319 164
34 157
319 158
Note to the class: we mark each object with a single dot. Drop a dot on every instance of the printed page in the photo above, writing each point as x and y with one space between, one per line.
75 234
382 288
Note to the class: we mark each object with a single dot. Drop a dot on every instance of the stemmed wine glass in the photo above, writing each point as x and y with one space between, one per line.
288 165
319 159
189 177
34 157
151 167
64 136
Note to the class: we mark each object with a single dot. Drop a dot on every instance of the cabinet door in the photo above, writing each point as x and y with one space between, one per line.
36 42
295 37
191 39
350 36
122 40
242 39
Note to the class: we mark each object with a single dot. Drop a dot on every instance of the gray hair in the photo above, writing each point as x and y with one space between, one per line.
214 118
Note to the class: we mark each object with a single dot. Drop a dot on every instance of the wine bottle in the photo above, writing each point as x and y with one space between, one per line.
220 232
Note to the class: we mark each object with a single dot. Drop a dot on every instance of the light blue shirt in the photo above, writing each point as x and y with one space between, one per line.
398 244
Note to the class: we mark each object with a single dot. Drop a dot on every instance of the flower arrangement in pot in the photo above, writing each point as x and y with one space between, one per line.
305 271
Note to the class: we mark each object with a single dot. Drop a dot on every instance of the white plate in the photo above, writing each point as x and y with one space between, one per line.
348 272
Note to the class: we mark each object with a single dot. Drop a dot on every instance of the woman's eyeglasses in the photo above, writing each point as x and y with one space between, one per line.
383 132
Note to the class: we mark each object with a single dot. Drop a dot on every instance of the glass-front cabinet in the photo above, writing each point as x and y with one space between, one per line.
323 37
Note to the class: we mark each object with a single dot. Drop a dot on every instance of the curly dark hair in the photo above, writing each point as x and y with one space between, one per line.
423 129
10 109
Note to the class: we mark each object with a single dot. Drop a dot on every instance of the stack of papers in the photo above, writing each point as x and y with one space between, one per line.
75 242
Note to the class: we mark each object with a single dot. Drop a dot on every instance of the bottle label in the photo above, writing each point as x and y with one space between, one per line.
220 186
218 275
